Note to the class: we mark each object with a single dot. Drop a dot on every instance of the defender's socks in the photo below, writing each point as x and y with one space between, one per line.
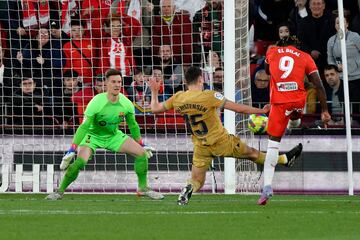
282 159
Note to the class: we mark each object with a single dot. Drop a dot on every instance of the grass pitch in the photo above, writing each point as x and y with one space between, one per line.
220 217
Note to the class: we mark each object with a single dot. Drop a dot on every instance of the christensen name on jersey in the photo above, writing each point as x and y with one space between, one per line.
198 107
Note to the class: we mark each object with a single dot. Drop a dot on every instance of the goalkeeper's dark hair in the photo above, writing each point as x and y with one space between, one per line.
192 75
288 41
112 72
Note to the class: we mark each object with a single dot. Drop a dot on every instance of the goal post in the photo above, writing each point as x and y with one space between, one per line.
241 175
229 90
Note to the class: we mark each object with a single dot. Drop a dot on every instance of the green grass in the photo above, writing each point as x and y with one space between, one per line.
220 217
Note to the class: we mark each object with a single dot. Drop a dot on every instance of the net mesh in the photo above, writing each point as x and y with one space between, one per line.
247 173
54 55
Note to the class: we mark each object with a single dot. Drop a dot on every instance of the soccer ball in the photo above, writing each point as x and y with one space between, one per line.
258 123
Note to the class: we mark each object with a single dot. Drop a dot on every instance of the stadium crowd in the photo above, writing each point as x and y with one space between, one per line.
54 54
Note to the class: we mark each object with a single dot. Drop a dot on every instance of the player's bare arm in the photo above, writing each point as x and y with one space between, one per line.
241 108
156 106
315 79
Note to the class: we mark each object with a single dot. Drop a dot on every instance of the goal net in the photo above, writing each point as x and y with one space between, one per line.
54 55
247 174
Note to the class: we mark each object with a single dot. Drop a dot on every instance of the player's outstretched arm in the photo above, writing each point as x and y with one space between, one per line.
320 90
241 108
156 106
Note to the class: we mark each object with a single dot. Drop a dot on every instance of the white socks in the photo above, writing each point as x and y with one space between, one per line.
271 160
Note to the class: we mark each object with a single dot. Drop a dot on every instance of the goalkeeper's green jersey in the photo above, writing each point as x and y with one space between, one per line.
104 117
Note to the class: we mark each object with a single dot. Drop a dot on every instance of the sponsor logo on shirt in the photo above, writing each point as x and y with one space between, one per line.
287 86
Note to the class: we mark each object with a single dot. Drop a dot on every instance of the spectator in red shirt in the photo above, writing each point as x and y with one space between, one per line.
79 53
116 51
174 29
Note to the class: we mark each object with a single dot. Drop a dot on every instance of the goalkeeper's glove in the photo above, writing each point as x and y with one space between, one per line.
148 149
68 156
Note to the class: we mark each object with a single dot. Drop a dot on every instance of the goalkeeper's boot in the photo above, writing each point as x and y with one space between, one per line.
55 196
150 193
265 195
293 155
185 195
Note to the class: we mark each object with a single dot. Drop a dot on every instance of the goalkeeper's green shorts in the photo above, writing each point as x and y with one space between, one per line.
113 143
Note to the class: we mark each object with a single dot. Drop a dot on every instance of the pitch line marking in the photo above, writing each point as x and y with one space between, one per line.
71 198
77 212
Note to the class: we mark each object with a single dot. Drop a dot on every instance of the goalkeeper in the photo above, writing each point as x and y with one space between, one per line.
99 129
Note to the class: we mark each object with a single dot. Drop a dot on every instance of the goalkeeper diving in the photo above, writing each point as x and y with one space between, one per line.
100 129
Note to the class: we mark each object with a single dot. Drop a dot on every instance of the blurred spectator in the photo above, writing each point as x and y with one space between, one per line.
28 106
208 23
270 14
44 58
352 40
116 51
284 30
314 32
96 12
18 35
139 92
174 29
260 91
335 94
79 52
69 9
58 34
142 44
213 61
171 68
298 13
83 97
65 111
218 80
159 77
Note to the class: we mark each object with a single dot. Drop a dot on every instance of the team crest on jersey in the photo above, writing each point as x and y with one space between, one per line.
121 116
218 95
